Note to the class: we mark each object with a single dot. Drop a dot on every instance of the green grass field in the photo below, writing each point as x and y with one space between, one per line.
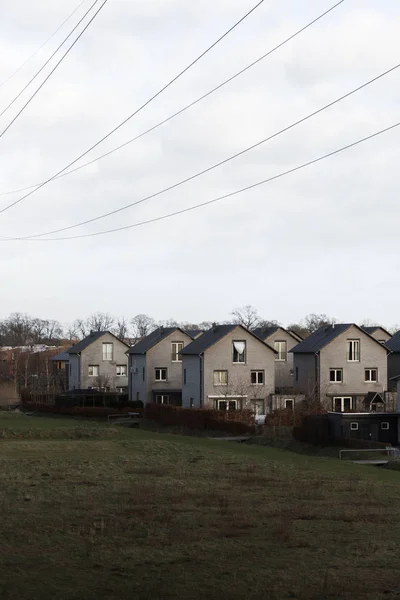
136 514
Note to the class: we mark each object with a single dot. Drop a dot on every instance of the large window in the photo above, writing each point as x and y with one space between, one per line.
220 377
342 403
107 351
336 375
281 349
161 374
239 352
289 403
122 371
227 404
371 375
353 350
93 370
162 399
176 351
257 377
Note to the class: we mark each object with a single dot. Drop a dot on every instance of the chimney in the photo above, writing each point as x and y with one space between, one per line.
214 327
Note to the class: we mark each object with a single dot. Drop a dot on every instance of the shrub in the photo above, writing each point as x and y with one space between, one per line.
80 411
238 421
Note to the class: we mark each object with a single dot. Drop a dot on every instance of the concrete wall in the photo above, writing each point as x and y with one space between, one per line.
137 377
284 377
74 372
304 366
334 355
161 356
93 355
219 358
192 388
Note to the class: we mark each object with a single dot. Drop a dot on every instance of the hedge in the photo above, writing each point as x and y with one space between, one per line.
236 422
80 411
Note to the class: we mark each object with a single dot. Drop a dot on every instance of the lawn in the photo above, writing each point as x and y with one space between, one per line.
137 514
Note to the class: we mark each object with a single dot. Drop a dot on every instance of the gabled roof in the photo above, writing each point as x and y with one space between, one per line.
372 330
265 332
324 335
194 333
213 335
394 343
155 337
89 339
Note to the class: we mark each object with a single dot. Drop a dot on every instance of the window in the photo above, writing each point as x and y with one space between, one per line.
289 403
191 402
107 351
353 350
122 371
371 375
342 403
257 377
226 404
239 352
161 374
354 426
60 365
93 370
184 376
280 348
176 351
297 373
220 377
144 373
385 425
336 375
122 390
162 399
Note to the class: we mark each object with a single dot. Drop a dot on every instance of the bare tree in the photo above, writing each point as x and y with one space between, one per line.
100 321
247 316
314 321
142 326
121 329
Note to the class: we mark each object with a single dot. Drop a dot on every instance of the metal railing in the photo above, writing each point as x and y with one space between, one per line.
388 449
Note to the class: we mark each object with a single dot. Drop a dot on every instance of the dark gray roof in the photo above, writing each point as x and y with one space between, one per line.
394 343
371 330
154 338
212 336
320 338
94 335
264 332
63 356
193 332
324 335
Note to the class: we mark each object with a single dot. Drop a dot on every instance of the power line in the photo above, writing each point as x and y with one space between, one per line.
55 67
185 108
137 110
229 195
42 46
223 162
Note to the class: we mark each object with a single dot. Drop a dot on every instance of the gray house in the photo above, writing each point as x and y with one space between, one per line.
282 341
155 365
393 360
379 333
342 366
228 368
99 361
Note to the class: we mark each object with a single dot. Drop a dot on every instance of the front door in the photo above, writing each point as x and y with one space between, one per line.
374 432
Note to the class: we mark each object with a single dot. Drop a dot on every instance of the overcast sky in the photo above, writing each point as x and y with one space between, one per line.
325 239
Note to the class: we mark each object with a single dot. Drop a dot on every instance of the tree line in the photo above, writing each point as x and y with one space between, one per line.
23 330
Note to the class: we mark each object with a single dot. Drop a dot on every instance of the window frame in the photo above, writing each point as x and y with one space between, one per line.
105 354
342 399
352 428
291 400
161 377
385 428
93 367
121 374
217 384
278 357
227 402
176 353
351 344
335 370
370 370
244 354
164 399
257 373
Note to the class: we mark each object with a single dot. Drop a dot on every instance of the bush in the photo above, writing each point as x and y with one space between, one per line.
81 411
238 421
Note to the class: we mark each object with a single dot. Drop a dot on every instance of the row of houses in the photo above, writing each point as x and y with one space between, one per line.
346 367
